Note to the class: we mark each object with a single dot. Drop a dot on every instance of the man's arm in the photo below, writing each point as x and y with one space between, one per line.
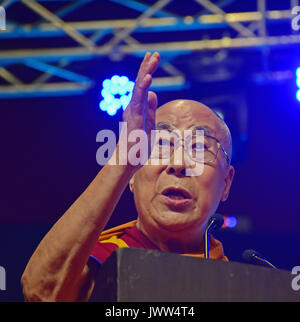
58 269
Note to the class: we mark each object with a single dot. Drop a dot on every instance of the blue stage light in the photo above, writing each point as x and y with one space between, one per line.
116 93
298 83
111 110
298 95
230 222
103 105
106 83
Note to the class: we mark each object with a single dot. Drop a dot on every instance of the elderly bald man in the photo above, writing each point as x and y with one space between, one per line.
173 208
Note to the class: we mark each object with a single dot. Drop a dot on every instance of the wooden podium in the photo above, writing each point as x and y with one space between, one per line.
138 275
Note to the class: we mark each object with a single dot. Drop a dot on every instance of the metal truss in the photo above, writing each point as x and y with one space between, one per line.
215 30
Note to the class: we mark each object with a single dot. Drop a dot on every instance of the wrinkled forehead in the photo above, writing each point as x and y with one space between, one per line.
185 114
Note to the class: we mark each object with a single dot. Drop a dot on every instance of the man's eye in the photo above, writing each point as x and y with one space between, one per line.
199 146
164 142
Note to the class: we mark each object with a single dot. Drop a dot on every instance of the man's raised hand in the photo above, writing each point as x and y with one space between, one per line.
141 109
140 112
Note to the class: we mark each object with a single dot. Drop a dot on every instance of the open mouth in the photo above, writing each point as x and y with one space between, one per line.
176 194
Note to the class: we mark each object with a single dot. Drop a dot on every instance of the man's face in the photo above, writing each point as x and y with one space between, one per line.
167 201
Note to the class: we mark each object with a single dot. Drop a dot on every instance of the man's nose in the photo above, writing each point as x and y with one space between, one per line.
177 170
177 165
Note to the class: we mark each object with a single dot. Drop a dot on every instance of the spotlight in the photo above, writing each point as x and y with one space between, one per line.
230 222
298 95
116 93
298 83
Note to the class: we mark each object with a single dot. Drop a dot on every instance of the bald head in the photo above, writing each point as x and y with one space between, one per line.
196 113
173 224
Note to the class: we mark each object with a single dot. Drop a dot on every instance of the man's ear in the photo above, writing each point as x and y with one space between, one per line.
228 182
131 183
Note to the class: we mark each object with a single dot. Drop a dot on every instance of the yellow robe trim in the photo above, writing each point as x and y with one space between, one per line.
115 240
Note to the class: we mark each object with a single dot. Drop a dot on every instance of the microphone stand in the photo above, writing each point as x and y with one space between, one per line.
215 222
206 239
263 261
252 256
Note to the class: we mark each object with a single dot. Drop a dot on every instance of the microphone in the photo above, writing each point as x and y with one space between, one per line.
215 222
252 256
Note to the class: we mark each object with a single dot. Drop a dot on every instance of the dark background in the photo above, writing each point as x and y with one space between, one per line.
48 157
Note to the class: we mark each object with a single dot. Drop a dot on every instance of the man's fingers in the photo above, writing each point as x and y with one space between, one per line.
148 65
152 101
143 66
153 63
139 93
143 81
152 104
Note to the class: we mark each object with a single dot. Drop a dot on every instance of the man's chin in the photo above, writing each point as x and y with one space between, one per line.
174 222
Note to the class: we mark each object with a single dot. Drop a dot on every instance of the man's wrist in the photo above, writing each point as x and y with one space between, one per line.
119 161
